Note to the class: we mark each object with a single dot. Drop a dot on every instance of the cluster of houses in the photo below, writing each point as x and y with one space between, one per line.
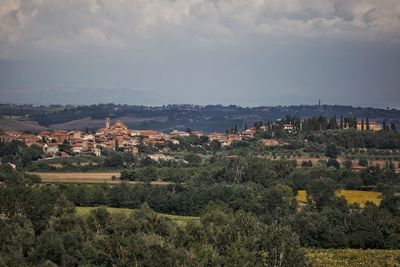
118 136
372 126
226 139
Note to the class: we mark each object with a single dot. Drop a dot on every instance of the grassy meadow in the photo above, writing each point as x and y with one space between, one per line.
179 219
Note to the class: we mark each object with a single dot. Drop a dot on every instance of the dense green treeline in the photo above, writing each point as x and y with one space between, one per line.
19 153
40 228
11 177
263 188
326 221
313 223
249 214
356 139
242 222
248 169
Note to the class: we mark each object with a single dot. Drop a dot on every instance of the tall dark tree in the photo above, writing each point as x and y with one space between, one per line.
341 122
321 191
331 151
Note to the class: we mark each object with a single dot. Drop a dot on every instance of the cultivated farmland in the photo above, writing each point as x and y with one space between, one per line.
353 257
351 196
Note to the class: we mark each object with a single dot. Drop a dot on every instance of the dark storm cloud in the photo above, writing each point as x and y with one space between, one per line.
198 51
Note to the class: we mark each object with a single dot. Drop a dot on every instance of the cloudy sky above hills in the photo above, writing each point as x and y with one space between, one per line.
246 52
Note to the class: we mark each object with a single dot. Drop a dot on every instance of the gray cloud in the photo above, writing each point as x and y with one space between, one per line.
71 25
249 52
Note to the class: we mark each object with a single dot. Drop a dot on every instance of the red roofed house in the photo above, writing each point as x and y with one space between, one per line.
60 136
358 168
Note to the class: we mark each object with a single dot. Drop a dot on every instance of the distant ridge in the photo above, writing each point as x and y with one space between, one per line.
205 118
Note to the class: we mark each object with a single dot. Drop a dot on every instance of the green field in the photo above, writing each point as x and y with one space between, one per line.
351 196
353 257
179 219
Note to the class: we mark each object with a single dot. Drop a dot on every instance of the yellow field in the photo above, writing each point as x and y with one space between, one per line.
179 219
85 178
353 257
351 196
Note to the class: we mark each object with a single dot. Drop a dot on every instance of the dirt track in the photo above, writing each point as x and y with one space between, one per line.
86 178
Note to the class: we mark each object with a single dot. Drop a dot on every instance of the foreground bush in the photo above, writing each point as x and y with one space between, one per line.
143 238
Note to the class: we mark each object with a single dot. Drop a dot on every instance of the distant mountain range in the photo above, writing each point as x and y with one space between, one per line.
164 118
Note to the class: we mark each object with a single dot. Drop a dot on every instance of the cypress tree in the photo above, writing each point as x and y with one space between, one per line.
341 122
116 145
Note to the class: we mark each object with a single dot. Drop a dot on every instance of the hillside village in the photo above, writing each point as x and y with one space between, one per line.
118 136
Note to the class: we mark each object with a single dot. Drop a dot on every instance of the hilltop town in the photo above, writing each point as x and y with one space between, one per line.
117 136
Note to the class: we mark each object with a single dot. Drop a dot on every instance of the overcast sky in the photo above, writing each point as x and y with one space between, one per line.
245 52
